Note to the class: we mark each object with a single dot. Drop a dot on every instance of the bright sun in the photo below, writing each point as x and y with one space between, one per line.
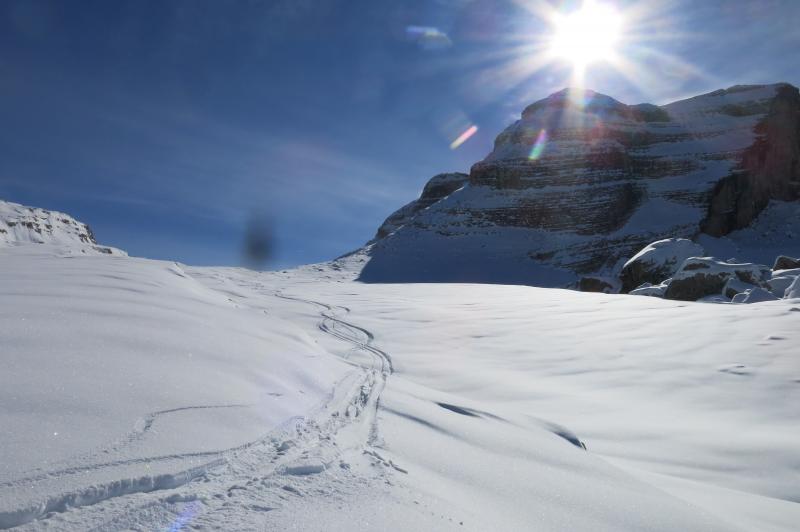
587 35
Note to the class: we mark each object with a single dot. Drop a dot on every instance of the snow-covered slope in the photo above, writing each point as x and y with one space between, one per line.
146 395
775 232
583 181
123 375
21 225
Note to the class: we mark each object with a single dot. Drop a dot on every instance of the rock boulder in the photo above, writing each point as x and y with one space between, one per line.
794 290
699 277
658 261
786 263
754 295
598 284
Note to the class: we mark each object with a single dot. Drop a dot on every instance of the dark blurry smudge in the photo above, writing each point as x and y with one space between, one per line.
428 37
259 242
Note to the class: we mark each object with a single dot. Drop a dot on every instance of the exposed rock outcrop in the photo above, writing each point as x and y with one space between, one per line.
794 289
602 285
711 280
735 286
753 295
786 263
649 289
440 186
769 168
583 180
778 284
699 277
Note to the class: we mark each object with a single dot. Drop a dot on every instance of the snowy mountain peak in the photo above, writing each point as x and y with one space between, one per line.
20 225
583 100
582 181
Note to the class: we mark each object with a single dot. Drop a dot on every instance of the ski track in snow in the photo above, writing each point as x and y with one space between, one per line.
142 427
235 472
464 424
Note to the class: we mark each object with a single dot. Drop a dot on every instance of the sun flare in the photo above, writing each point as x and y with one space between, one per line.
587 35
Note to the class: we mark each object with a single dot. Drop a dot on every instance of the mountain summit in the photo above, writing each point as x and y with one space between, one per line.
22 225
582 181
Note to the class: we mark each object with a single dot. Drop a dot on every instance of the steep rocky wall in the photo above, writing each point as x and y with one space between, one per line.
582 181
769 169
439 186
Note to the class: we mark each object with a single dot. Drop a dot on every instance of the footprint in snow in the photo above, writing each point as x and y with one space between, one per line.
767 341
304 469
736 369
292 489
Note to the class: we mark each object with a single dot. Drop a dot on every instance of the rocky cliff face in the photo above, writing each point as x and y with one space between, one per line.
582 181
769 168
439 187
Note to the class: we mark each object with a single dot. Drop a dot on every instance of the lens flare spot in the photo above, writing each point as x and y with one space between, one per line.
538 146
464 137
428 37
189 511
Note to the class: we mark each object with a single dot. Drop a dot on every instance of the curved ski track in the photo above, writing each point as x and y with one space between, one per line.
229 473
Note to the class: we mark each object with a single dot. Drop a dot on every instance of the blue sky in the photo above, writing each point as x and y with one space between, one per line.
167 125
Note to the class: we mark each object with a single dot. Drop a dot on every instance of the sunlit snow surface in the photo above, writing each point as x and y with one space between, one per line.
144 395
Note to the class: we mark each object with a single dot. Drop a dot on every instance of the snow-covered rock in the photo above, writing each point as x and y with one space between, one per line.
786 263
735 286
699 277
754 295
786 273
778 284
606 285
775 232
658 261
20 225
794 289
649 289
582 180
440 186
